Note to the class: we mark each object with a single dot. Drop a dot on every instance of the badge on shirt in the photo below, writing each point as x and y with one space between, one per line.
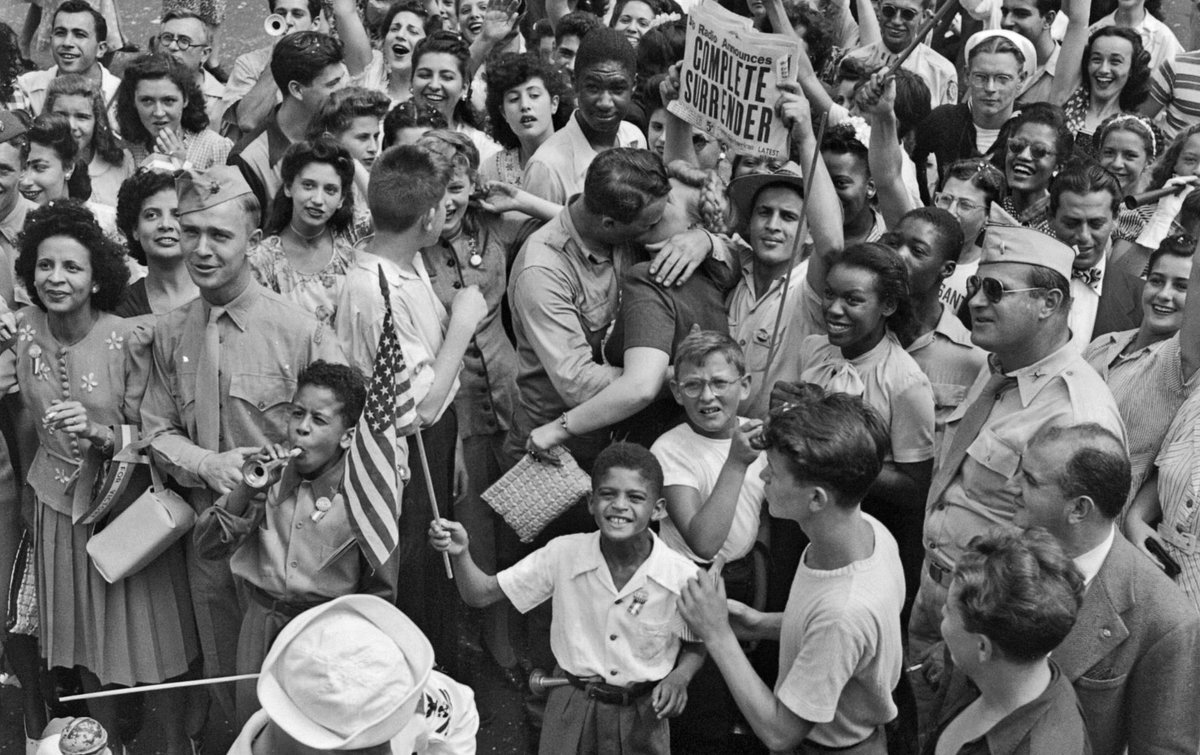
639 599
322 505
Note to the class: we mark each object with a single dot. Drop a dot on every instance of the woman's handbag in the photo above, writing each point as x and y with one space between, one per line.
142 532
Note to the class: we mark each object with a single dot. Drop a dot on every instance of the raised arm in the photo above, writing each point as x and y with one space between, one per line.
355 41
1069 72
477 589
884 155
868 23
498 22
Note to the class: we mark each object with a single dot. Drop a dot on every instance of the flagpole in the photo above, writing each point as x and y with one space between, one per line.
158 687
432 496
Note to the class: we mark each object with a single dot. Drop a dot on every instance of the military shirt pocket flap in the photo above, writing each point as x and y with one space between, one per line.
1100 684
948 395
995 453
263 392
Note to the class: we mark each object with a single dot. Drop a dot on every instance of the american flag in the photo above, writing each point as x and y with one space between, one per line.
372 472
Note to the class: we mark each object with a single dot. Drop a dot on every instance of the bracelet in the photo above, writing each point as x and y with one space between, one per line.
562 421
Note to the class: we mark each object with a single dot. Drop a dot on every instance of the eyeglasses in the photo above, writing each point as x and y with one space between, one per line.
993 289
948 201
166 39
693 388
1017 146
984 79
889 12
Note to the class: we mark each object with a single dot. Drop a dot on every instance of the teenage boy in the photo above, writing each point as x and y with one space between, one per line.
616 632
840 644
407 200
77 42
714 493
289 536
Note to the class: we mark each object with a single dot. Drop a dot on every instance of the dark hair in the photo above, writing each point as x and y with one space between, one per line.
1177 245
541 29
451 43
54 131
509 70
912 101
346 383
1045 7
104 142
577 23
946 227
314 7
11 63
301 57
997 45
1137 86
841 140
1084 176
1098 468
1051 280
661 47
891 275
1164 166
343 106
698 345
150 67
71 219
831 438
326 150
817 36
621 182
404 6
406 182
133 194
633 457
1051 116
982 174
1137 125
80 6
410 114
602 45
657 7
1019 590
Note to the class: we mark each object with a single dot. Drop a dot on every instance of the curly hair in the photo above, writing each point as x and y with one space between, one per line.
661 47
71 219
633 457
511 70
410 114
891 276
831 438
104 142
152 67
11 63
346 383
1137 125
1137 86
451 43
325 150
407 6
1019 590
657 7
343 106
841 140
1050 116
54 131
981 174
134 192
817 36
1164 167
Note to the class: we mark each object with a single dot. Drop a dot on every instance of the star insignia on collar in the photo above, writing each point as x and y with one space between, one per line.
1038 374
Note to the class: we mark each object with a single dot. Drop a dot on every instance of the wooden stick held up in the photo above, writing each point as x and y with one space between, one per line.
157 687
432 497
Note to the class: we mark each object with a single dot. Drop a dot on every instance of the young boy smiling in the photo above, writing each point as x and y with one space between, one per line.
616 631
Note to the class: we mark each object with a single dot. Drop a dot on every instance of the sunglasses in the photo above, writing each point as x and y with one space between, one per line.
889 12
993 289
1017 146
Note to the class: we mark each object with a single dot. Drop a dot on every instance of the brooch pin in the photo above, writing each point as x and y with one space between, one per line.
639 599
35 353
323 505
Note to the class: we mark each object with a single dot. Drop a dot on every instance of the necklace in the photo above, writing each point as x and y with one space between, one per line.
296 231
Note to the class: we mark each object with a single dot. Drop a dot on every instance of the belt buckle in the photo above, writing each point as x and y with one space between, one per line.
938 573
596 691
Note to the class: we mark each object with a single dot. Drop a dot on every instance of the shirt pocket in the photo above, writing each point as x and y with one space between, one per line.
995 453
947 397
269 395
651 639
756 348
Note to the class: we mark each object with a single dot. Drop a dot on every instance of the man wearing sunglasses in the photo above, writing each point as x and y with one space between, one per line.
1020 303
899 21
185 37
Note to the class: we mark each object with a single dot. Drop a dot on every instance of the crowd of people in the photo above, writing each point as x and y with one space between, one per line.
890 442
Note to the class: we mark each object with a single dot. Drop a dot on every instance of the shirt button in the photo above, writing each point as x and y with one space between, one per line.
1106 632
940 505
299 525
618 602
294 564
450 262
262 404
1189 503
612 637
612 673
456 284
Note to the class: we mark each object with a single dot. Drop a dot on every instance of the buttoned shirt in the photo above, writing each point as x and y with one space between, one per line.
931 66
259 156
564 292
1041 83
951 362
265 342
1059 389
557 169
33 86
626 636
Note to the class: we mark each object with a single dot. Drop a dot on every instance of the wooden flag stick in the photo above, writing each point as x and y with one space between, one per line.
797 243
432 497
158 687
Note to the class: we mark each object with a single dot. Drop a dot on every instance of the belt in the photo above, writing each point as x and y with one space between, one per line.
289 608
610 693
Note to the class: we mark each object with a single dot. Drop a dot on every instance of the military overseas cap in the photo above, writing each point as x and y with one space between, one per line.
1014 243
199 190
12 125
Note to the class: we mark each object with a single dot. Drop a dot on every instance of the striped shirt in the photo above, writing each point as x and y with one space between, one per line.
1176 87
1179 494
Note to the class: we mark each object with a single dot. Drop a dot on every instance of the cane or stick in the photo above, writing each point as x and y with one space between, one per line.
432 497
797 243
158 687
918 38
540 683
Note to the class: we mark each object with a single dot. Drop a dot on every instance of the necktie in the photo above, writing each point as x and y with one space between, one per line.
208 385
968 429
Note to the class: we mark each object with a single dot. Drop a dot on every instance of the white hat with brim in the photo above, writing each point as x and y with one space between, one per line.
1021 43
346 674
742 191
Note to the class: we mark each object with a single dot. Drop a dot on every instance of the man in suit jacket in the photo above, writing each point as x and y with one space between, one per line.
1084 199
1133 655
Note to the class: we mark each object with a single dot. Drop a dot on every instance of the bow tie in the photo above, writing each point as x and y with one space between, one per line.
1091 276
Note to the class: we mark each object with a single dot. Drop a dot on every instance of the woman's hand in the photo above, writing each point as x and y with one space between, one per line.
499 19
168 143
72 417
500 197
9 322
544 438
